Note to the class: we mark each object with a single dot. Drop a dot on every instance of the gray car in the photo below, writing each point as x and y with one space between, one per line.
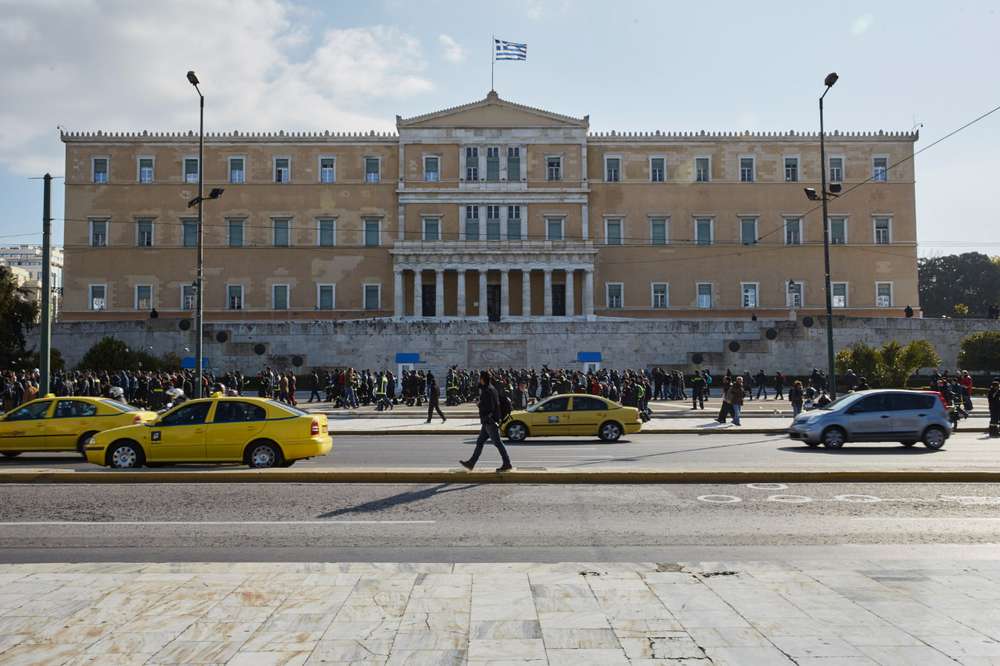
881 415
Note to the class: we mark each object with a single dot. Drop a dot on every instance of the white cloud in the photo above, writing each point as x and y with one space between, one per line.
861 24
120 65
453 51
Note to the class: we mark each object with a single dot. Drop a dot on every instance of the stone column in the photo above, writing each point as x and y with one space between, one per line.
504 294
570 298
548 292
585 220
588 292
439 293
525 292
397 294
418 289
483 312
460 308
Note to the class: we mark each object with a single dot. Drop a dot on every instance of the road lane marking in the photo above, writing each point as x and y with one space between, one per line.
767 486
130 523
719 499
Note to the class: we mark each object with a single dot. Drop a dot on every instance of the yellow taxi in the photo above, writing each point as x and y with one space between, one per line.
63 424
254 431
572 414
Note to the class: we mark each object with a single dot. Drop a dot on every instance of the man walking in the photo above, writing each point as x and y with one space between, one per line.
489 417
698 389
432 398
736 394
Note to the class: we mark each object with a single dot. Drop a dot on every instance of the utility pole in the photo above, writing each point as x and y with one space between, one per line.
831 368
45 348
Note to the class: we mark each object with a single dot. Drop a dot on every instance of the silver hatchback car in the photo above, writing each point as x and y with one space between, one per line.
879 415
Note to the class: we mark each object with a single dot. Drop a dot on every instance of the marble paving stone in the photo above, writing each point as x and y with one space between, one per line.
218 631
282 641
381 629
191 652
351 651
572 620
727 619
748 656
587 657
908 654
506 629
960 648
675 645
40 654
581 639
269 659
134 659
427 658
483 649
122 643
814 646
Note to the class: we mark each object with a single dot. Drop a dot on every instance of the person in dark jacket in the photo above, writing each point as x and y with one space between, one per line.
433 394
489 417
993 400
796 396
698 389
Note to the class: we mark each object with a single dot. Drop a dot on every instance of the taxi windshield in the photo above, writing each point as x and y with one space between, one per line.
288 408
120 406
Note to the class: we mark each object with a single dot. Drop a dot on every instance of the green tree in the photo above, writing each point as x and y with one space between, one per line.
980 351
961 310
888 367
966 278
861 358
56 361
112 354
18 313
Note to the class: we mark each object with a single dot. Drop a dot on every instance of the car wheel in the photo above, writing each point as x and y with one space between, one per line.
908 444
11 454
517 432
262 455
609 432
82 442
124 455
834 438
934 437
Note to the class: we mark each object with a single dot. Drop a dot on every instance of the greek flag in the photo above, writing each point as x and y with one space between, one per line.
503 50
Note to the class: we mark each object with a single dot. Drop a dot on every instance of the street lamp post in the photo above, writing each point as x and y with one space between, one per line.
830 79
199 311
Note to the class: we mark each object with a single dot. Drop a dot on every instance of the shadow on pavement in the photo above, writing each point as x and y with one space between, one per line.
863 450
670 453
36 459
396 500
546 441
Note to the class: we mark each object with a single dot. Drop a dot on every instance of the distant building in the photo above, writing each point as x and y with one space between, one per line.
28 258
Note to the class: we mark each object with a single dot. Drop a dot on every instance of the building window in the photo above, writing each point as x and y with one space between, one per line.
143 297
791 169
793 231
749 294
514 223
612 169
472 223
235 230
553 168
98 297
373 169
657 169
702 169
554 228
703 231
883 230
99 168
883 294
326 296
432 169
373 296
279 297
838 230
188 297
189 233
190 169
880 169
836 169
432 228
746 170
793 294
614 293
492 164
144 232
146 170
237 170
373 232
704 290
839 294
514 163
493 223
661 295
472 164
326 232
658 230
282 169
99 233
748 230
282 232
327 169
613 231
234 297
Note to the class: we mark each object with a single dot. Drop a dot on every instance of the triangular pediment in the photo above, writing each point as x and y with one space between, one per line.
491 112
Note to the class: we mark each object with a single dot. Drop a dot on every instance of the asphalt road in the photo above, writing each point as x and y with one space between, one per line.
459 522
964 451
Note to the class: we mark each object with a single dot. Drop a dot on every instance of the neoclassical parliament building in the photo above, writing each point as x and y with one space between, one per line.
492 211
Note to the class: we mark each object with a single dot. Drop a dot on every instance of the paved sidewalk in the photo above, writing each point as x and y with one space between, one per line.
813 612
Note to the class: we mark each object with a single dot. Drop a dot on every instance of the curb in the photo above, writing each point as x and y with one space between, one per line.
644 431
527 476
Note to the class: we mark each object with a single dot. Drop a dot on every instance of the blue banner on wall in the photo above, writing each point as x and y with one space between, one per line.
588 357
407 357
188 363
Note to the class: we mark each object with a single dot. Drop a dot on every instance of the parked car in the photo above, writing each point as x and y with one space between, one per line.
880 415
572 414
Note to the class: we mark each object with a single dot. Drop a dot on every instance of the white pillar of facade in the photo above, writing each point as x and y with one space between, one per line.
483 312
401 215
482 220
418 290
460 308
504 294
397 293
548 292
570 297
588 292
439 292
585 220
525 292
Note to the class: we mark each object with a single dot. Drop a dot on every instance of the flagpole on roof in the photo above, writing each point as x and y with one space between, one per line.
493 59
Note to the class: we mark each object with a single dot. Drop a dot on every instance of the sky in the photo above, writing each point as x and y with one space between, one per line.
668 65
